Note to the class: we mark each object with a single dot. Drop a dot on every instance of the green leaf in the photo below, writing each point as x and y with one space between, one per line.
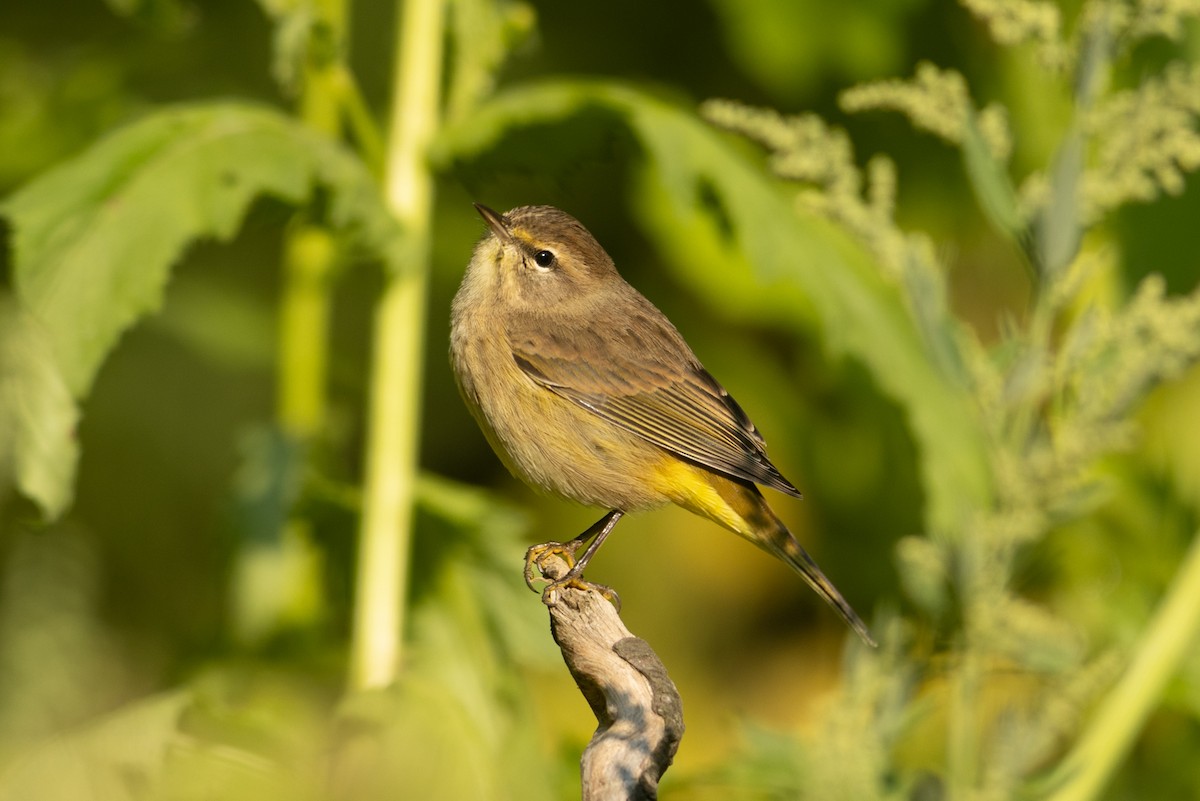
95 238
485 32
37 414
480 540
990 183
120 758
295 23
787 47
165 17
1059 230
733 236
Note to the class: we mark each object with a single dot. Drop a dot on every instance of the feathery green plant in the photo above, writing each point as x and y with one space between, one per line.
1051 399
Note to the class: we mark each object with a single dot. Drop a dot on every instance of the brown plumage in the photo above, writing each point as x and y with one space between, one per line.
585 389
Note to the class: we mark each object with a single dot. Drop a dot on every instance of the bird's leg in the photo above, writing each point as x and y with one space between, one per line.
599 530
597 533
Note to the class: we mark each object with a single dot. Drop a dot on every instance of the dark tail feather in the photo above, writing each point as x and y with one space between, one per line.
775 539
756 522
786 548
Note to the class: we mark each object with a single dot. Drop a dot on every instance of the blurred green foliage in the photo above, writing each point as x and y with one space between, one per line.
992 421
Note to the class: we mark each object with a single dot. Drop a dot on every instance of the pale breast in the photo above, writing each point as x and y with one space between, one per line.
543 439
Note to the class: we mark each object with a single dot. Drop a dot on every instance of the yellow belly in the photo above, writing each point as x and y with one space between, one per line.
732 504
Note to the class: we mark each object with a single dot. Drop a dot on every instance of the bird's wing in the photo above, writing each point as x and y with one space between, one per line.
644 379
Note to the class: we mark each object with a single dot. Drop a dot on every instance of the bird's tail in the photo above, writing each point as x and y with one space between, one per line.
768 532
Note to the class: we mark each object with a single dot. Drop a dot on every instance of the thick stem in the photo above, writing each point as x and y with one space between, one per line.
1106 742
396 370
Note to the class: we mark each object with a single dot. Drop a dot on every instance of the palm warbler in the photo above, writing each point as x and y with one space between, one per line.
585 389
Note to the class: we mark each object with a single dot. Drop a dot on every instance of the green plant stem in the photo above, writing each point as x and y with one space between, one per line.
309 260
359 120
962 747
396 370
310 256
1121 716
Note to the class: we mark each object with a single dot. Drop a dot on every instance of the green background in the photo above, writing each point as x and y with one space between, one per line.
140 590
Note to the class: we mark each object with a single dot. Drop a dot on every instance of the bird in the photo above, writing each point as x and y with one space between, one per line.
586 391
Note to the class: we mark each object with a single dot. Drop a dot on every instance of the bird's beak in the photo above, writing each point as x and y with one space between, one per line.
495 221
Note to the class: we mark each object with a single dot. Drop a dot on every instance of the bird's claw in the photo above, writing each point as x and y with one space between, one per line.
550 593
535 558
556 578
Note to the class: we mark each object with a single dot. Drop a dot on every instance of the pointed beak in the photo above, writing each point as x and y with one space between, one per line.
495 221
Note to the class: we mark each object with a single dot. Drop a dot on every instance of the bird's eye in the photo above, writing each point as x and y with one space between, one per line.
544 258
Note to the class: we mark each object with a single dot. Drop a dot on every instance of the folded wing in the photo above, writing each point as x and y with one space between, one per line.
646 380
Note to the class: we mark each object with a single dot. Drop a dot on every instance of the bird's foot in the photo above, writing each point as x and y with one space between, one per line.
539 559
555 561
550 593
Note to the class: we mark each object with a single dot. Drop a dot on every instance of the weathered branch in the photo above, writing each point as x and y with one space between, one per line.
638 709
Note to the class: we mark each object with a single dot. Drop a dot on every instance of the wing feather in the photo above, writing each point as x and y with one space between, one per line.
662 394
